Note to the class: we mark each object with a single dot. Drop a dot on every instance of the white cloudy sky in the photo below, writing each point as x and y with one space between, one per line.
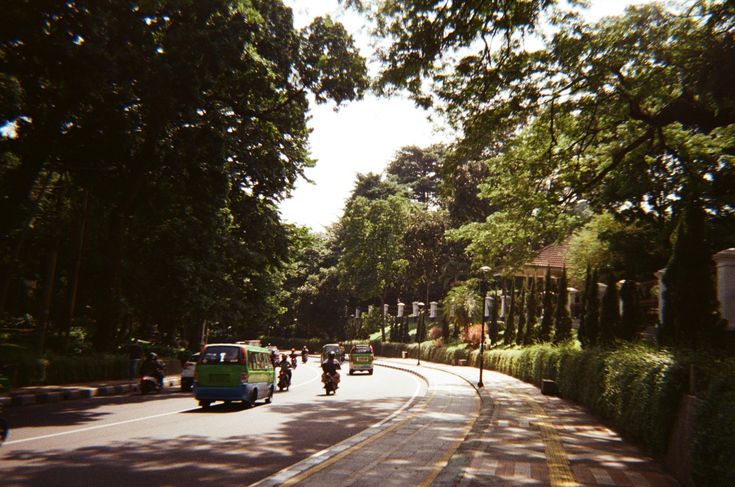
362 136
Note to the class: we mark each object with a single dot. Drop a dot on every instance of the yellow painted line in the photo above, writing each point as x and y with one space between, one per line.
560 469
318 468
444 460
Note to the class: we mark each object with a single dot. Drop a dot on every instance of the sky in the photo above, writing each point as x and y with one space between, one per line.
363 136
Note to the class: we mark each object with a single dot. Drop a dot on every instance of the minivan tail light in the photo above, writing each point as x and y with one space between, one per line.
244 377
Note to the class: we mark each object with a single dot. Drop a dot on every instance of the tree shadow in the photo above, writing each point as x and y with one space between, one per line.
302 430
76 412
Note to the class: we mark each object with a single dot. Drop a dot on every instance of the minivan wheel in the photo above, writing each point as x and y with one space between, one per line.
204 404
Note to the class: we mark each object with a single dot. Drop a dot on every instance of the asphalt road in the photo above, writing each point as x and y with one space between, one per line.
167 439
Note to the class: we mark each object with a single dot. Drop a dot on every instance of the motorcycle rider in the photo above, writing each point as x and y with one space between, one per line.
286 367
152 367
304 353
331 366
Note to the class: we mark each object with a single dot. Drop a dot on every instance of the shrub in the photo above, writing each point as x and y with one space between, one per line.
436 332
714 431
473 335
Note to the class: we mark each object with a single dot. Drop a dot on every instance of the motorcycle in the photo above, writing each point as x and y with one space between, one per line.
293 361
283 380
149 383
330 383
304 357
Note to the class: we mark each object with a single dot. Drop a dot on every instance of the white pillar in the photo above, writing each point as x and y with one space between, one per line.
726 285
433 309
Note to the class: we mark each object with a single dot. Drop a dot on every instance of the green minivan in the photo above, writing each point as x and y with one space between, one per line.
233 372
361 359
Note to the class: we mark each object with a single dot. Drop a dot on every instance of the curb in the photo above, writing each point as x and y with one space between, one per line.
289 473
72 393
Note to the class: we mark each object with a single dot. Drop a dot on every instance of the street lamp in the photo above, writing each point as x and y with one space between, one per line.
419 329
483 291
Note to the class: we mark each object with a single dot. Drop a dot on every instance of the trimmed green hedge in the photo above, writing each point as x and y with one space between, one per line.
714 430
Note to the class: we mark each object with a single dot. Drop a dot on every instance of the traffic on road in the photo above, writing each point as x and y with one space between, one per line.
170 438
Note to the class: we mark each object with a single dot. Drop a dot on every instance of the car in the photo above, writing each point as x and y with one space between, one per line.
361 359
187 372
234 372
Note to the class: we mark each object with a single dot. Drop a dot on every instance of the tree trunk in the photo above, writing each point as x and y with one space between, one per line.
109 316
48 292
76 267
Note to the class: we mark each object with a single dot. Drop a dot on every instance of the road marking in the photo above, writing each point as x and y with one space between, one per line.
557 461
292 475
92 428
109 425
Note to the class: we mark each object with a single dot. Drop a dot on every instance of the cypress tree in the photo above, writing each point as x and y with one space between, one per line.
609 311
494 319
520 335
510 329
582 332
530 313
592 311
631 319
690 303
546 318
563 322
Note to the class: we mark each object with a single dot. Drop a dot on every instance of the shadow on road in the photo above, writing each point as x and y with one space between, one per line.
189 459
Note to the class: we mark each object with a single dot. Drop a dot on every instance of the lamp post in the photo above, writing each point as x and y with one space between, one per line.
483 291
419 329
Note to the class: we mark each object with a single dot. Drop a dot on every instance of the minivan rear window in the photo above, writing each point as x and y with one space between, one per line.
221 355
361 349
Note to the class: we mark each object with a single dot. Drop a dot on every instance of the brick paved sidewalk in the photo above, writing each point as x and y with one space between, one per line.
525 438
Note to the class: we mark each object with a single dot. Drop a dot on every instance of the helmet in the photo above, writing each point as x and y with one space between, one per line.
332 354
152 356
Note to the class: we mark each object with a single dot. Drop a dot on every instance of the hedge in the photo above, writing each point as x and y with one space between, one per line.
714 431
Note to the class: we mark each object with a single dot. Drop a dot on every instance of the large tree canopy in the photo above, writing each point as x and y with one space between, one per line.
183 123
626 114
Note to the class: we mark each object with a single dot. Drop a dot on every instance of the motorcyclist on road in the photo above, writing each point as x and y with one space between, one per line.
331 366
286 367
304 353
152 367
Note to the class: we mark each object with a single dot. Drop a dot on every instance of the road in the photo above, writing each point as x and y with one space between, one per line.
168 440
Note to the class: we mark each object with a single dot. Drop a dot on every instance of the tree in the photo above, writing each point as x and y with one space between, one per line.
531 313
510 327
609 311
425 251
209 98
591 334
547 310
562 320
631 317
522 327
689 307
418 169
615 115
461 307
372 248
